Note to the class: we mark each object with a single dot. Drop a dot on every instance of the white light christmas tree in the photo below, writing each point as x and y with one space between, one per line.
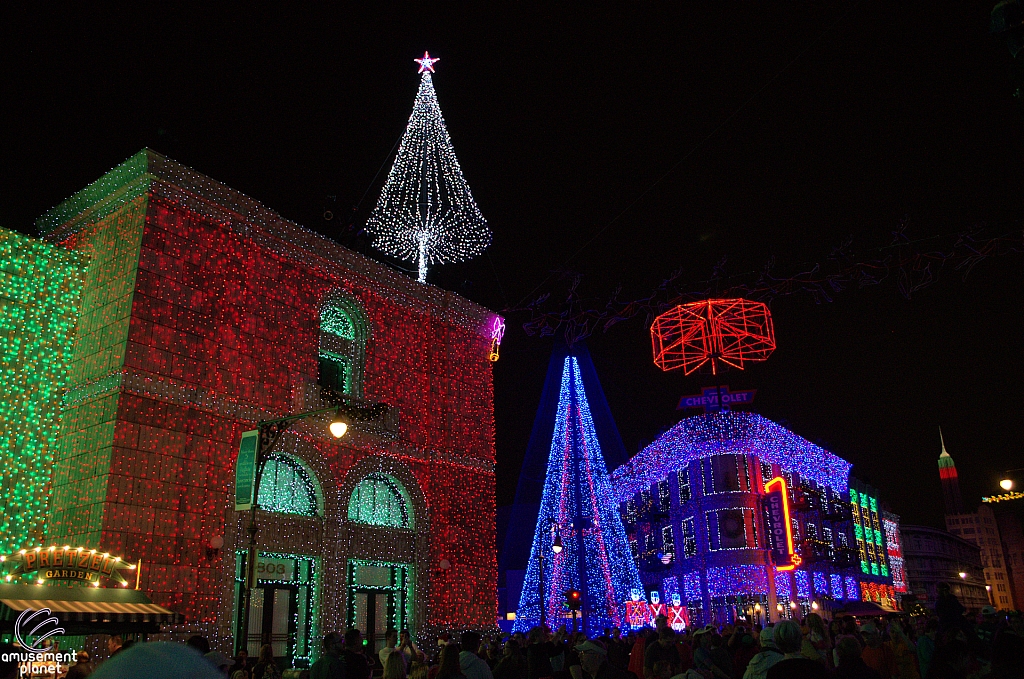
426 213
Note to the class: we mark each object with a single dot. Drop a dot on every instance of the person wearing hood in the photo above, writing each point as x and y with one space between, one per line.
765 658
471 664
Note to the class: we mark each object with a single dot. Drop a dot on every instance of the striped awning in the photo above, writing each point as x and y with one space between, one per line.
97 611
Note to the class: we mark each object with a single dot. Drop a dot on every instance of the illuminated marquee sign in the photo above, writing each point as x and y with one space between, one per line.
779 525
66 563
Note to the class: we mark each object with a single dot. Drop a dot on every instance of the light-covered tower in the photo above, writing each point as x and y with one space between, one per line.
950 482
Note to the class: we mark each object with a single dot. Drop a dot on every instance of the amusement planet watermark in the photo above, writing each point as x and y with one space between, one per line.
35 658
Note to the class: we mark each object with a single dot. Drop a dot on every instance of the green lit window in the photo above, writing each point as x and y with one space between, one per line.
380 500
342 353
286 486
335 371
336 321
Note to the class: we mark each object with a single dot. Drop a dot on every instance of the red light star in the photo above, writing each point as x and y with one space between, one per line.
426 63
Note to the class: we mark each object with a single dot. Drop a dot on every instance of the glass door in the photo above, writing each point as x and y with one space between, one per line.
282 606
379 594
272 621
371 614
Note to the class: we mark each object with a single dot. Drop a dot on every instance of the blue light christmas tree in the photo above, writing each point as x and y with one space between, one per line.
578 507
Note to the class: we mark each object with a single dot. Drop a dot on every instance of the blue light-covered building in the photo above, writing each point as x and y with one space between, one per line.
693 507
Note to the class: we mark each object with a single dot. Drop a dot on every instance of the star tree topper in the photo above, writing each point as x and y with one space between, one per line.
426 63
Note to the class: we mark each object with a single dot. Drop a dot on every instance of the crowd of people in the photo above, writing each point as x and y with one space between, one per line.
947 645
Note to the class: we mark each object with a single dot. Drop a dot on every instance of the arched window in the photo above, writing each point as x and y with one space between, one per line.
342 354
380 500
287 486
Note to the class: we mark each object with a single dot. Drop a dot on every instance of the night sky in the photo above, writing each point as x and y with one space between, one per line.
776 129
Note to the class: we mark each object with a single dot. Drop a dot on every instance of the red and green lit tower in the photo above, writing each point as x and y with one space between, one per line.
950 482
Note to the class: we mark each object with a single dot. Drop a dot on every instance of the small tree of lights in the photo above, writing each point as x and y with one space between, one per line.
426 213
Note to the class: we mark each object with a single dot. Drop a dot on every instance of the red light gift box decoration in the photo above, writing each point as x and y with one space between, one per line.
729 331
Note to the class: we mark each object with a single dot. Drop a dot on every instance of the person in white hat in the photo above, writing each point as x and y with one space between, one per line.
766 658
594 663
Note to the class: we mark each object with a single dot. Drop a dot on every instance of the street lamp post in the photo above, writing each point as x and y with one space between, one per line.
1006 483
270 431
556 547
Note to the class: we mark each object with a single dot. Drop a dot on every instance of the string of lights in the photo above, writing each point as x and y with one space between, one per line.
426 212
910 265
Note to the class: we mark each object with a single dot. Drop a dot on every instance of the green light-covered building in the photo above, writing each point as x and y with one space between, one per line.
40 288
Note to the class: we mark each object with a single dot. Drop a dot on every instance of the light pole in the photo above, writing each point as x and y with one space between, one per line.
270 431
556 547
1006 483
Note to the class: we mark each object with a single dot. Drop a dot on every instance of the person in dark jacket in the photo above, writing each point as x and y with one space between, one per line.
82 667
664 650
851 665
618 651
330 665
512 664
949 609
539 654
357 665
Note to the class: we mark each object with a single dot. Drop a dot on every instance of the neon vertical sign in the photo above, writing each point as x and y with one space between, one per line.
497 333
779 524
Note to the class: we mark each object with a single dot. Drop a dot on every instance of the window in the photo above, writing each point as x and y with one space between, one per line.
668 543
689 539
634 550
630 511
766 472
380 500
726 474
646 503
664 496
827 535
812 531
342 354
684 486
731 529
287 486
1000 588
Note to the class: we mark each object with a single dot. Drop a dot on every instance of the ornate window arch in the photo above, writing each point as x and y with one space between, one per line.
288 486
342 347
381 500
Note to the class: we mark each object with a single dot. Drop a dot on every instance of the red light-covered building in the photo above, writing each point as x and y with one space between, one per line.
203 312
